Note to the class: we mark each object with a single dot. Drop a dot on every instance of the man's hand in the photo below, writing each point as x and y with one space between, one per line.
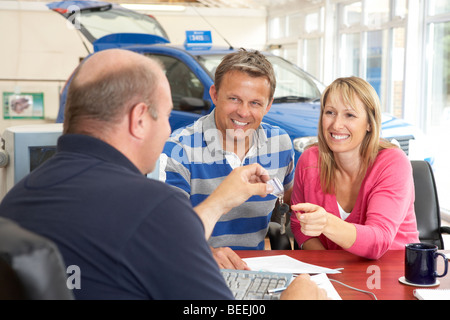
228 259
238 186
241 184
303 288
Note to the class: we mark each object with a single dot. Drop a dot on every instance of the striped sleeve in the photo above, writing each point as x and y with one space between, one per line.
174 166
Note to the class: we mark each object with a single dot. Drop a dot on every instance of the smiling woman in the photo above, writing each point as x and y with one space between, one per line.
344 125
353 190
355 104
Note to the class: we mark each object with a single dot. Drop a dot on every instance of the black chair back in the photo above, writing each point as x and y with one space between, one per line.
32 264
426 204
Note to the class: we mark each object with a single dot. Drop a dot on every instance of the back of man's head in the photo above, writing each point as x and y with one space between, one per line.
105 87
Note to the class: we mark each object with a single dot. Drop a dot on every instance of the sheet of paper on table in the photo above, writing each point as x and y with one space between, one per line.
323 282
286 264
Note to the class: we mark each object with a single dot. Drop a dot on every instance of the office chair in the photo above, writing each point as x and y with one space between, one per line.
31 266
277 240
426 205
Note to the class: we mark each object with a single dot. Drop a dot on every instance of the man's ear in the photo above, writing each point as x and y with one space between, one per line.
213 93
269 106
138 118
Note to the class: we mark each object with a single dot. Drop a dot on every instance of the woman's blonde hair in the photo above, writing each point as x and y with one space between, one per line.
349 89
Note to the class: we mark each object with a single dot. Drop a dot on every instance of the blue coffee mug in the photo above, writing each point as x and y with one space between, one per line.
421 262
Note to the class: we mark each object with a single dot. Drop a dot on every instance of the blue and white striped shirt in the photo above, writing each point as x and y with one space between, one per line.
194 161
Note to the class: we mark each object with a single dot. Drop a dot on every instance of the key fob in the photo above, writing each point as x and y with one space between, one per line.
278 189
283 209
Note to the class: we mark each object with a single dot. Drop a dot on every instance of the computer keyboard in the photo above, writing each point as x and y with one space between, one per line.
255 285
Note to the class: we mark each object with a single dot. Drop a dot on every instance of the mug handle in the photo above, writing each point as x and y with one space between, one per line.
445 262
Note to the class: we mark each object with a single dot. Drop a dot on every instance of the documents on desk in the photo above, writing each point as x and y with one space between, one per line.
432 294
325 283
286 264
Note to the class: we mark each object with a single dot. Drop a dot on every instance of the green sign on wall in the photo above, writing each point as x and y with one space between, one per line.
23 105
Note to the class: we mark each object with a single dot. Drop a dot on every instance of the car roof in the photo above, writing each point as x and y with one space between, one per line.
82 5
139 42
195 52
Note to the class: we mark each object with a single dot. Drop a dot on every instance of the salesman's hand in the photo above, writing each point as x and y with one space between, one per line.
238 186
303 288
242 183
226 258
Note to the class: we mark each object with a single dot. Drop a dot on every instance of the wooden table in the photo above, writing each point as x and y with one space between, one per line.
377 276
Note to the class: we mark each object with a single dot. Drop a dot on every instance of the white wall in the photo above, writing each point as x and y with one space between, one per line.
31 63
241 27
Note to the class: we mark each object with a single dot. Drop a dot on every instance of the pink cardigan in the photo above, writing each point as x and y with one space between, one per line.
384 210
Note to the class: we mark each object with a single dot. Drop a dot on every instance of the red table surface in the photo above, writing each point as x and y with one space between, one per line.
380 277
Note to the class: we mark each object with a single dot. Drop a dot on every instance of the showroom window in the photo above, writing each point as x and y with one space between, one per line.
312 43
438 57
372 42
435 110
277 27
298 37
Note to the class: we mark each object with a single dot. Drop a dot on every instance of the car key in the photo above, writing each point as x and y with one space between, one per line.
283 209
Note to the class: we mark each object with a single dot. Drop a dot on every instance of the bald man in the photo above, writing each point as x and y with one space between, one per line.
129 237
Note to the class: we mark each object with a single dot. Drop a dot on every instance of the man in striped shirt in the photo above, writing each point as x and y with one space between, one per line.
198 157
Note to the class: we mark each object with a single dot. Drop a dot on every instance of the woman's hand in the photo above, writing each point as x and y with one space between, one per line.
313 218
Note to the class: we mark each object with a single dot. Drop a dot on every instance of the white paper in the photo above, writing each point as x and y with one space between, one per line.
285 264
323 282
432 294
